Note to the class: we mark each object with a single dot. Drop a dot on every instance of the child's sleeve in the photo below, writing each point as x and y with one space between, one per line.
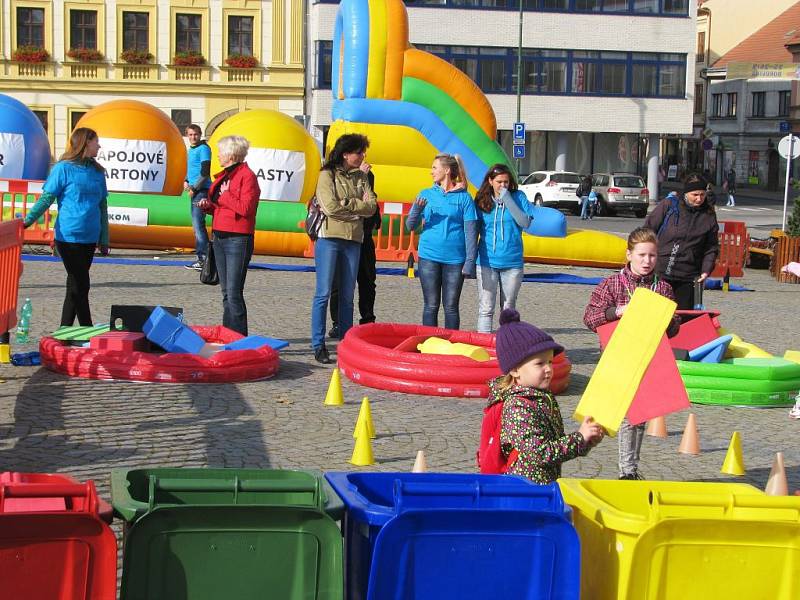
524 430
601 308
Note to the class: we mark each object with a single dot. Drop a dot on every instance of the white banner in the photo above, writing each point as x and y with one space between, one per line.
133 165
120 215
12 155
280 173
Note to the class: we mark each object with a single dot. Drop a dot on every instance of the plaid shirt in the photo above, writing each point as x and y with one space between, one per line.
616 291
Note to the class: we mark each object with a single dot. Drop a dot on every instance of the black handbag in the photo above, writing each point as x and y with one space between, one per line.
314 219
208 274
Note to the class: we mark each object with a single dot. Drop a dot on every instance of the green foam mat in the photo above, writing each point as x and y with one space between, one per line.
79 333
741 398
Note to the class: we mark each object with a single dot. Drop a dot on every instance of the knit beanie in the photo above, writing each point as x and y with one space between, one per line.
694 184
516 341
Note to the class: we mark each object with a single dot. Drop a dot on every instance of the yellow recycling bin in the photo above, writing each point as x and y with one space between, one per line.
669 540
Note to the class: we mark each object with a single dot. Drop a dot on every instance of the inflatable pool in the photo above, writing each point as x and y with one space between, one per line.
383 356
762 382
227 366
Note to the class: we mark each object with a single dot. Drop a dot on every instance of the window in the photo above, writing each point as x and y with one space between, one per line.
675 7
701 46
240 35
74 117
645 79
733 100
543 71
645 6
784 100
672 80
182 117
534 178
187 32
672 8
30 27
587 5
699 106
716 108
83 29
324 64
759 104
615 5
136 31
43 117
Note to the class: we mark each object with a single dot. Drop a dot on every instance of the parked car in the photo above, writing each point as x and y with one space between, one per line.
620 191
553 188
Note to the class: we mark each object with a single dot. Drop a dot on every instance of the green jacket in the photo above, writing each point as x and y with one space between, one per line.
345 206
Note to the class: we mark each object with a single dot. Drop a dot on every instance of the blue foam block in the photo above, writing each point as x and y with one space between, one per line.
168 332
712 351
254 342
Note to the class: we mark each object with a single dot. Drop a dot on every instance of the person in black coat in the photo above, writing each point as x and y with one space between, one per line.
688 240
366 270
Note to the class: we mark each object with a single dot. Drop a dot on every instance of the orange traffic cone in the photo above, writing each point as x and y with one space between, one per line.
690 442
420 464
777 484
657 427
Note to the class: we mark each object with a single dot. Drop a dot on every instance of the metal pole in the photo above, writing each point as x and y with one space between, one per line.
519 76
786 185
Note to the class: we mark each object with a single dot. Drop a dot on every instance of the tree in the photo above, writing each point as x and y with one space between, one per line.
793 224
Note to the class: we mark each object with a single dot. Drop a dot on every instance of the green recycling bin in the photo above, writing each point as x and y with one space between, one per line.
197 534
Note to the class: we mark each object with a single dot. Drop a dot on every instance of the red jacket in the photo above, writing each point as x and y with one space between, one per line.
234 211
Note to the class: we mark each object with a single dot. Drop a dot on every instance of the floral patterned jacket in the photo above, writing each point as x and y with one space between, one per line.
532 425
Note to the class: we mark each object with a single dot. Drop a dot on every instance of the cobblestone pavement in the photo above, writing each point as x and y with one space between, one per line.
50 423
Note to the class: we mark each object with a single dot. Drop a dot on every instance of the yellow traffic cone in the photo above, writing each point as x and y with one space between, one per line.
334 396
420 464
777 484
362 451
734 462
365 414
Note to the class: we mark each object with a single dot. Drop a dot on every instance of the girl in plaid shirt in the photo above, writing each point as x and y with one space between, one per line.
608 303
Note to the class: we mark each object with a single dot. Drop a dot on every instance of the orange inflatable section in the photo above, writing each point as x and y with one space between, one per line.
134 120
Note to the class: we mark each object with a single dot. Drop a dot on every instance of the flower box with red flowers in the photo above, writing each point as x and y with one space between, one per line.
30 54
85 55
241 61
136 57
188 59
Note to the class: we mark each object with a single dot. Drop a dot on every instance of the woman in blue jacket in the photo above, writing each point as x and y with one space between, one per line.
504 212
447 244
78 183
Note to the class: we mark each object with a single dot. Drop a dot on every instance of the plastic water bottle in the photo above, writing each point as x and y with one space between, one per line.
24 325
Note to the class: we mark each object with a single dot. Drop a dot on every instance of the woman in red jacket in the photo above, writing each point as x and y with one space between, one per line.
232 200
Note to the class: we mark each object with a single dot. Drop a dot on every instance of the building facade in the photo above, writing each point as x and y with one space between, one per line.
602 79
250 54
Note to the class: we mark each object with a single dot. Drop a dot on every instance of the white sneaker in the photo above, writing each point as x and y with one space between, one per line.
795 412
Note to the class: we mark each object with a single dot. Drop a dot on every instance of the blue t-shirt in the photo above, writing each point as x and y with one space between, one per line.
500 243
79 190
197 155
442 239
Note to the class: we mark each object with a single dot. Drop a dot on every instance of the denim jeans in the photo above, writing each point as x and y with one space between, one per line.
232 254
334 257
509 281
584 207
199 226
630 445
440 282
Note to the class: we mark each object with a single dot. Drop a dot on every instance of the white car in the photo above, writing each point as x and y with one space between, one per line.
553 188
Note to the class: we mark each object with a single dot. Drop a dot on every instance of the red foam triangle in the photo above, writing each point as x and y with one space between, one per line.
661 391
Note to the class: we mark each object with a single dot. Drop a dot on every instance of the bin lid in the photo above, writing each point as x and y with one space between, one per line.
57 555
136 491
242 552
476 554
52 484
375 498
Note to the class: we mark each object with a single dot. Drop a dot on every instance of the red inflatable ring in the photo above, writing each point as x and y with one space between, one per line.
228 366
383 356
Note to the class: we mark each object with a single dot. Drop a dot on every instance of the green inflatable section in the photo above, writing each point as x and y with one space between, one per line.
760 382
456 118
175 211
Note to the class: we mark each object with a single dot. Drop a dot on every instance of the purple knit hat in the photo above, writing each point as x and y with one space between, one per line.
516 341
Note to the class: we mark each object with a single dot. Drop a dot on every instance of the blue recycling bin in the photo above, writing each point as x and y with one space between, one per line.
438 536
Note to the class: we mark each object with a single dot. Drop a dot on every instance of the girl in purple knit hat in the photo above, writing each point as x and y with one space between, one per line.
532 430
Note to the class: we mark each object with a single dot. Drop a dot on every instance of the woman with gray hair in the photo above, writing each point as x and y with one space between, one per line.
232 200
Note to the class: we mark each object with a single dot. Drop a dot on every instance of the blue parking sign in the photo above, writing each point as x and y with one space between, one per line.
519 132
785 127
519 151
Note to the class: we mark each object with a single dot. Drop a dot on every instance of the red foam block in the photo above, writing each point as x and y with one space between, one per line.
661 391
695 333
123 341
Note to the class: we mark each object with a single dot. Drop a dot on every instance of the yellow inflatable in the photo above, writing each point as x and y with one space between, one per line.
140 147
282 154
580 248
741 349
437 345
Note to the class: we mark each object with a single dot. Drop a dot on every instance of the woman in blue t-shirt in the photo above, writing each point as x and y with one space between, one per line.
504 212
78 183
447 244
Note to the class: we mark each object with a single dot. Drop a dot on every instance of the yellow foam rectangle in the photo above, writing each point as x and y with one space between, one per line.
622 365
792 355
